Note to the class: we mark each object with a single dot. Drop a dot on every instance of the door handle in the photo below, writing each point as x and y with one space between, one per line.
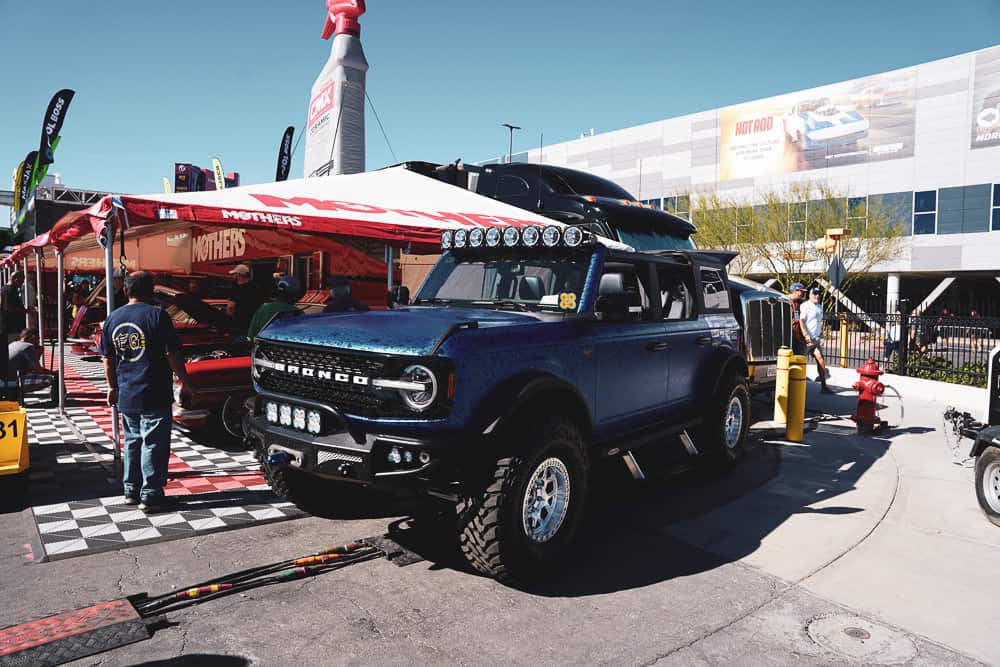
658 346
703 340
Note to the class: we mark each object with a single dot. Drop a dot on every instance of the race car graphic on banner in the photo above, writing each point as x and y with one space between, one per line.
986 100
855 121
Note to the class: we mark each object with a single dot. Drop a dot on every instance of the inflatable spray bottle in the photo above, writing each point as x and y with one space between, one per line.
335 129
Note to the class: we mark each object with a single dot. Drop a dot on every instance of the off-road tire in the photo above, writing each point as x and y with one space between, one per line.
490 516
710 438
310 494
987 482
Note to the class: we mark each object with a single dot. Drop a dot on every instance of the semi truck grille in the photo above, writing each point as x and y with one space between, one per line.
338 379
768 327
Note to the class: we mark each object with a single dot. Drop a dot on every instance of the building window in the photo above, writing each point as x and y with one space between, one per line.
925 212
857 215
995 211
679 206
797 221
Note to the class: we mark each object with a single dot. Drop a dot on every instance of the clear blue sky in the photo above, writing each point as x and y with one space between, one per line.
163 82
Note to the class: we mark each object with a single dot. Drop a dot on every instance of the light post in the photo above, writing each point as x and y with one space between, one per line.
510 145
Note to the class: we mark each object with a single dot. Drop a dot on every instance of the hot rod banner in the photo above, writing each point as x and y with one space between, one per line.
863 120
986 99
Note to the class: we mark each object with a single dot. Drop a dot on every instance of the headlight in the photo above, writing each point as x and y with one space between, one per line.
573 237
476 237
460 238
550 236
493 237
446 239
420 400
511 236
530 236
271 412
285 414
299 418
314 422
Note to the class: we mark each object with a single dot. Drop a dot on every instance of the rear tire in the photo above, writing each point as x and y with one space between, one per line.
522 518
988 483
721 439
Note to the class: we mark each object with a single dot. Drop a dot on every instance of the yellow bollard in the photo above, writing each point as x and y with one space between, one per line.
13 438
796 398
843 342
781 386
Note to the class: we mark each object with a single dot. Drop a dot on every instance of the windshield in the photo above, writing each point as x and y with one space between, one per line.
585 184
651 239
514 282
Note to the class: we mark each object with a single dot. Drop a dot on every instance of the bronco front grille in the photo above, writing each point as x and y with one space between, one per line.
768 327
348 396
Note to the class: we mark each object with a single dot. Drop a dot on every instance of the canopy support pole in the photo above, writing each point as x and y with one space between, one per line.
109 288
38 296
388 264
25 297
60 328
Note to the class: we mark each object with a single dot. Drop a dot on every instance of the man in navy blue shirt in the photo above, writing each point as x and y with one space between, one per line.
140 350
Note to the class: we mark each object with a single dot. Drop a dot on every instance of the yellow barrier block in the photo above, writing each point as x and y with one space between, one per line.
843 342
781 387
796 398
13 438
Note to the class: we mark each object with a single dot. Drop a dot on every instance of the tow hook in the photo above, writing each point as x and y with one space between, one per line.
278 459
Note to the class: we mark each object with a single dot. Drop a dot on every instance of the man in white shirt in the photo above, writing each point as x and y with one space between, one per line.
811 318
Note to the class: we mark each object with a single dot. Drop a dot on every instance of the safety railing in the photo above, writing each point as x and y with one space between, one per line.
946 348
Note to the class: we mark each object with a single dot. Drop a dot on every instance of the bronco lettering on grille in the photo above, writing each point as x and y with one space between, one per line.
306 371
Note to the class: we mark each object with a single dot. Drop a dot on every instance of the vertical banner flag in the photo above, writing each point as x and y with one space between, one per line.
284 155
23 192
52 124
166 185
17 187
220 176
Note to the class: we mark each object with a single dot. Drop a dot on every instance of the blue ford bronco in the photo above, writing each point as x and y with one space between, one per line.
526 355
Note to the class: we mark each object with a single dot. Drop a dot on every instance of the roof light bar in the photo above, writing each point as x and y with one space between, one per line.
532 236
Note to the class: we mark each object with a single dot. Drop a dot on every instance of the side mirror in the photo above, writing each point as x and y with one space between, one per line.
399 295
619 307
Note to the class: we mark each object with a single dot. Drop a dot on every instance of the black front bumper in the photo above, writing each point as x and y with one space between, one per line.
345 452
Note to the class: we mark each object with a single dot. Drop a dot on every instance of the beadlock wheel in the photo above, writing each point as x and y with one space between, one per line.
546 500
734 422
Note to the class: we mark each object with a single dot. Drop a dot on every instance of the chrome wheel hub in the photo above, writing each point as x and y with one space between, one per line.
733 421
991 486
546 500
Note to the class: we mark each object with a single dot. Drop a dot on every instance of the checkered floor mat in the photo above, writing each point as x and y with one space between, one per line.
76 500
101 524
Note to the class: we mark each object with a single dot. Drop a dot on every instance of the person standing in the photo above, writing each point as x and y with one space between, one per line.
247 297
341 300
797 294
811 318
140 349
288 292
15 315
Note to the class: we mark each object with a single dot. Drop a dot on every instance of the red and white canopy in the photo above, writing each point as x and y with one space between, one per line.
393 205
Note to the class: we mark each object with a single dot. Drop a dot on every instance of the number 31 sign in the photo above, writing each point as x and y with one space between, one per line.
13 439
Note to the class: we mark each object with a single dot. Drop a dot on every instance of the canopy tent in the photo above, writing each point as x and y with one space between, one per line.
393 205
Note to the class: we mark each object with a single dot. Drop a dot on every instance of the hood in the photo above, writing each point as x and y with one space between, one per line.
411 331
202 312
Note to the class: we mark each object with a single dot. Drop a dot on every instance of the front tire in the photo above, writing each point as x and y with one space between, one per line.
522 519
721 439
988 483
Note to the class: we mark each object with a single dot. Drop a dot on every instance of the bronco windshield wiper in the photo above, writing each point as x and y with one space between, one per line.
501 303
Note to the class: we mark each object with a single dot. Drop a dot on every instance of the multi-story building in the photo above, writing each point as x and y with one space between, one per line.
922 143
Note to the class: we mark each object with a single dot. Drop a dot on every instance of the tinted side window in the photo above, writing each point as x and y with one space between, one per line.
486 183
511 186
714 289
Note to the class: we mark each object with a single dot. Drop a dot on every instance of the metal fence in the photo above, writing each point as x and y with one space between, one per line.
945 348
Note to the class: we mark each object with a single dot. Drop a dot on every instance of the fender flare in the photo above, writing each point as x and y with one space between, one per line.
518 393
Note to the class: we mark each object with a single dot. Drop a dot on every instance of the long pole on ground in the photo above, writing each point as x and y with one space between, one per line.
109 290
60 328
38 295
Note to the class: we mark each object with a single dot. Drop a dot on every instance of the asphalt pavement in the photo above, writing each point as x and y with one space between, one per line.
841 549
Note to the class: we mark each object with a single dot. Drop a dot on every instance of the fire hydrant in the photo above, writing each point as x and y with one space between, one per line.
869 389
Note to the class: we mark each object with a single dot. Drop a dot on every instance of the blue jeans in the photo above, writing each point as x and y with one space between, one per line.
147 451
